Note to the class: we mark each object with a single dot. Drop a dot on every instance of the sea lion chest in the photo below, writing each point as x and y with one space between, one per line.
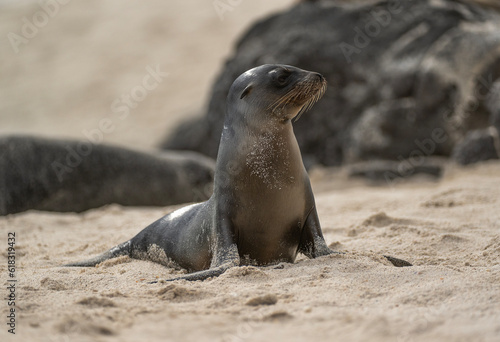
270 206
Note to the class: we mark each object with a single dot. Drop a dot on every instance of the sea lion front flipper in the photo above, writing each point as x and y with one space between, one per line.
312 243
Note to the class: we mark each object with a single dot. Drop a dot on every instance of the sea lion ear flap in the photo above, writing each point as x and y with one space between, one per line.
247 91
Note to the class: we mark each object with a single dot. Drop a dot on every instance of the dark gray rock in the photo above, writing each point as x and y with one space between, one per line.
482 144
390 171
478 145
58 175
402 75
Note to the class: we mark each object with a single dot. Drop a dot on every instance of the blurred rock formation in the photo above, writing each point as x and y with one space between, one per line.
407 79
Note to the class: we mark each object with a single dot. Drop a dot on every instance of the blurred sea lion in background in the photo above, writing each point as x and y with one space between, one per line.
65 175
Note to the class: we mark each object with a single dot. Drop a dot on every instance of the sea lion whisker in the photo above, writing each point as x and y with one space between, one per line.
315 98
281 99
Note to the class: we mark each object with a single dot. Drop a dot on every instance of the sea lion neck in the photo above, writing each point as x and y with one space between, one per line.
244 132
267 154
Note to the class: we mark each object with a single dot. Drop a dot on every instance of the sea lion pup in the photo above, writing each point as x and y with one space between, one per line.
262 210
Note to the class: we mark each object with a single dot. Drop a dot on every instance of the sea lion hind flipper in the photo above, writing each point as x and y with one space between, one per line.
201 275
223 259
119 250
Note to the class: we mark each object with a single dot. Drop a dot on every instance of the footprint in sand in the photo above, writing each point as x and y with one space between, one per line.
456 197
96 302
82 325
52 284
268 299
179 294
382 220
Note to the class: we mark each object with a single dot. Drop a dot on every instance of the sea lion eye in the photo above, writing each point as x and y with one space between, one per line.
282 78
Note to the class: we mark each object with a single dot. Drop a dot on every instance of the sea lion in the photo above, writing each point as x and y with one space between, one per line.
262 210
68 175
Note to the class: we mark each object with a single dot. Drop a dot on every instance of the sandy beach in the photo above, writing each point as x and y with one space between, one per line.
65 79
448 230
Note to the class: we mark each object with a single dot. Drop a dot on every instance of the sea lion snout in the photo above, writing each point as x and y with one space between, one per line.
308 91
318 77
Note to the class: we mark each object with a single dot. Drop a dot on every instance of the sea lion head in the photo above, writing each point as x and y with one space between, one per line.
275 92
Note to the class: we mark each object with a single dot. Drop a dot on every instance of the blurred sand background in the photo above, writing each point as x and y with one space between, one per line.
64 81
90 53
